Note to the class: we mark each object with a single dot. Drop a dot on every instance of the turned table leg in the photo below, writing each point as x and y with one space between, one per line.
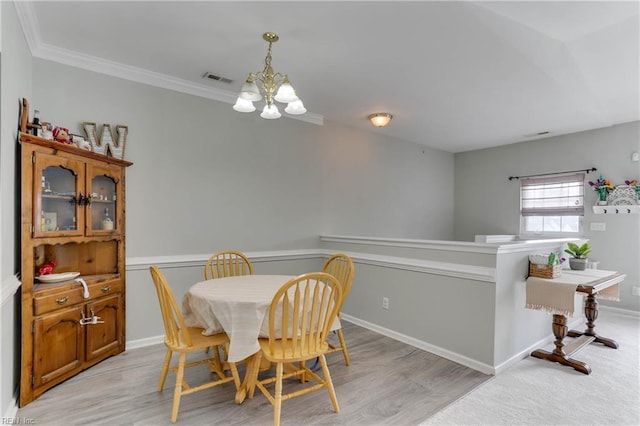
559 327
591 312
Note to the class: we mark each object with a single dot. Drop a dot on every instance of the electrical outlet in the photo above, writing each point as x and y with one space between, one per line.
385 303
598 226
635 291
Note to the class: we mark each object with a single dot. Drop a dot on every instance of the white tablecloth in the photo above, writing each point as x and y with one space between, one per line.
237 305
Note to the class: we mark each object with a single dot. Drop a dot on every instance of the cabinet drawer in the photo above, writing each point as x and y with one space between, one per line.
73 294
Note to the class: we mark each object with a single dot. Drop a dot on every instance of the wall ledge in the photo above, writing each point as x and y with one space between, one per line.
456 246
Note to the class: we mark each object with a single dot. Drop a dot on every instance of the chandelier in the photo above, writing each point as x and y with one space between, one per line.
272 86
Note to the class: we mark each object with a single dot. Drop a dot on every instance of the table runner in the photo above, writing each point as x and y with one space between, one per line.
557 295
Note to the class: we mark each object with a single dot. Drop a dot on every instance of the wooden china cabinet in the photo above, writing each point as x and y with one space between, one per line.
73 214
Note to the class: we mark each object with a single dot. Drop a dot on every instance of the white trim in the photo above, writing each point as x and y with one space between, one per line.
572 324
476 273
619 311
452 356
457 270
8 288
147 341
410 243
198 260
12 409
458 246
28 21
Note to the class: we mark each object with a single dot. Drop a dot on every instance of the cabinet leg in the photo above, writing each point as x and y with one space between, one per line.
591 313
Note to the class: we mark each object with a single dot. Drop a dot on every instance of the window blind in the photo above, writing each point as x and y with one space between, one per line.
553 196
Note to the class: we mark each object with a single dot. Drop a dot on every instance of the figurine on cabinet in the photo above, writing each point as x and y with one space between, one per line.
61 134
81 142
47 268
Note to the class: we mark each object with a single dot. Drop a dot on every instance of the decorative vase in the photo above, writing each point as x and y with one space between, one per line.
578 264
602 193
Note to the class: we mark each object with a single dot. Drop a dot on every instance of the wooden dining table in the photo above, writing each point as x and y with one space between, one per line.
239 306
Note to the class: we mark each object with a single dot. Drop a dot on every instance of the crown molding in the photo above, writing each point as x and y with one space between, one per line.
39 49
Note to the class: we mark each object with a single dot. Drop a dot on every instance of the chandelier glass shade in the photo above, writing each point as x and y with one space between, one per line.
272 86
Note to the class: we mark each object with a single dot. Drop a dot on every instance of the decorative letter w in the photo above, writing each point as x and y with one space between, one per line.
106 144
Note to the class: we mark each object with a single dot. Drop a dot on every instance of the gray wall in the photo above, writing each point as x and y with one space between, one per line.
206 177
15 82
486 202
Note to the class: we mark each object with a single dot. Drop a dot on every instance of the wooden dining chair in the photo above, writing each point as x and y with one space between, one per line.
341 266
300 317
183 340
227 263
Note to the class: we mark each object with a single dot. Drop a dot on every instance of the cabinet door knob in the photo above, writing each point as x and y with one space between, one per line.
106 289
62 300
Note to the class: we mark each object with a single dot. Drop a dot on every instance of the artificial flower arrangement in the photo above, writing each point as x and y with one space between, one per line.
603 186
634 184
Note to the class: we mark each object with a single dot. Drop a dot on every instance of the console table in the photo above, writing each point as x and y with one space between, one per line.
556 296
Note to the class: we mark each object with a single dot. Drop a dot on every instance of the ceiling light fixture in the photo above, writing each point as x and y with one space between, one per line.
273 87
380 119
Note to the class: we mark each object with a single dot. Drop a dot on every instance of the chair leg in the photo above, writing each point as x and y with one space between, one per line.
329 383
165 369
277 405
177 392
343 345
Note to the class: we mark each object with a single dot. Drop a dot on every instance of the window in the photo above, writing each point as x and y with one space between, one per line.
551 205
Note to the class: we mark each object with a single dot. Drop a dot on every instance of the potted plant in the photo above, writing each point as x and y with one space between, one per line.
578 262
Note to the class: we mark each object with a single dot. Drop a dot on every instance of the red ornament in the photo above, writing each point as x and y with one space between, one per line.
47 268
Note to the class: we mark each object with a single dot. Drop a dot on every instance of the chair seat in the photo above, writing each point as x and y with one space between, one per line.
284 352
199 340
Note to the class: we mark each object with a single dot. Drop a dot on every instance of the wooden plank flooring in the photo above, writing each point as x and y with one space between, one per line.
388 382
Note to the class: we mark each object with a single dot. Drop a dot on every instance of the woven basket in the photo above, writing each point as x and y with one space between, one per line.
544 271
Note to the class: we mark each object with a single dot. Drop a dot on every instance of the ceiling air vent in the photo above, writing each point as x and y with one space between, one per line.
212 76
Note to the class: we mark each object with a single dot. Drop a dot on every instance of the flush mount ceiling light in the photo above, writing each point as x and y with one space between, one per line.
380 119
273 87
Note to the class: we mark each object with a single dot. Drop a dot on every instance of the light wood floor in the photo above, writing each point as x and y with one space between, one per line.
388 382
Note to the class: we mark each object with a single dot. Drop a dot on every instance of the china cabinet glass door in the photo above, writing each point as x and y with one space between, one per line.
103 188
57 196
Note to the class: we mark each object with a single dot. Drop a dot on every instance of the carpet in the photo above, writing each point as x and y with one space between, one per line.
539 392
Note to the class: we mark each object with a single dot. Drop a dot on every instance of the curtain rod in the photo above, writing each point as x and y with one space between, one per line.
593 169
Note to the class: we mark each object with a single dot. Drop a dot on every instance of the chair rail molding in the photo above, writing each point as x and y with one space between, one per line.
476 273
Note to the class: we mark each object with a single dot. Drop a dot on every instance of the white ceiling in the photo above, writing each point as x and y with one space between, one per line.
456 75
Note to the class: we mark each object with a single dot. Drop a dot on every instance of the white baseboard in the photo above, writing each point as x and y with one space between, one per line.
147 341
619 311
445 353
11 411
